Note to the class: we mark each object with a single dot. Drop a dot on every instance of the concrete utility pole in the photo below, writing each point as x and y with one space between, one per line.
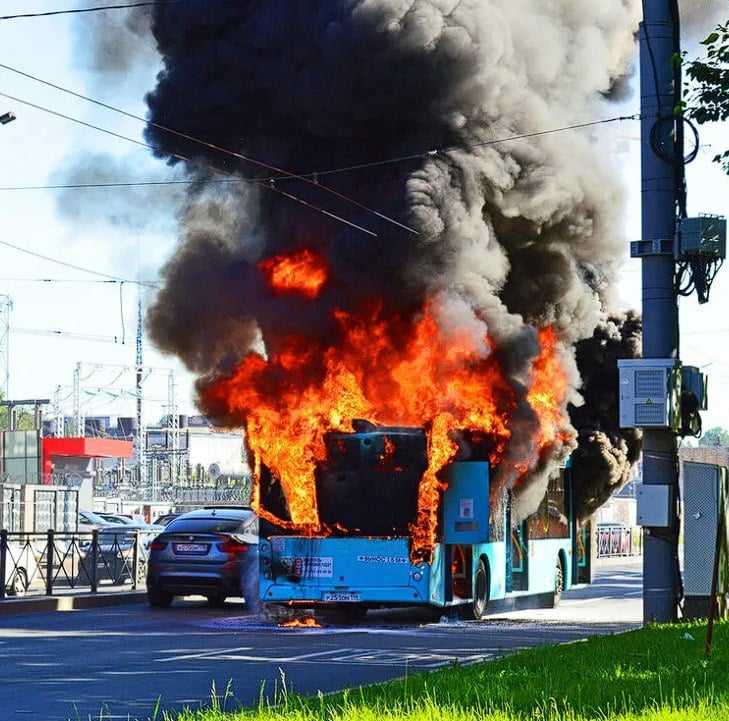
658 44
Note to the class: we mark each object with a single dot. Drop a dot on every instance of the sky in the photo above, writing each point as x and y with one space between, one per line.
63 316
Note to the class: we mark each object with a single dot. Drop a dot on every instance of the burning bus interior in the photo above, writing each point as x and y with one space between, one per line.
368 485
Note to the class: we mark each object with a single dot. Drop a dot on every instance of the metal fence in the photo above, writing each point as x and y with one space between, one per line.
56 563
618 539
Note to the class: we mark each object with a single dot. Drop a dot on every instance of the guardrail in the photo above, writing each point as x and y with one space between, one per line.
619 540
55 563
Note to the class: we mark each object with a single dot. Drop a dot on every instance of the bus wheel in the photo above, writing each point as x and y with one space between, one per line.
481 591
558 581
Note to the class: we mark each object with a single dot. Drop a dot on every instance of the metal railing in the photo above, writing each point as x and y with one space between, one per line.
618 540
56 563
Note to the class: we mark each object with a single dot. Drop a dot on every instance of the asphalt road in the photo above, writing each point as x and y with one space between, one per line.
115 663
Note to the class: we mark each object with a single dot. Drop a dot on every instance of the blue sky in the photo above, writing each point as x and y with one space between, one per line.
92 229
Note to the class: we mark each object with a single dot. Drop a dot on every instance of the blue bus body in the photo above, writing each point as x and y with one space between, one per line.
480 556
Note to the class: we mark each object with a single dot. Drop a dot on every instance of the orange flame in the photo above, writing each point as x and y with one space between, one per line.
548 393
303 272
392 372
307 622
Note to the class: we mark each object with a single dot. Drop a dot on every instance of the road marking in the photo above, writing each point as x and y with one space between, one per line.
361 656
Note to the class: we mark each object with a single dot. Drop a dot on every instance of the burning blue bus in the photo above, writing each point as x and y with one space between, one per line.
367 495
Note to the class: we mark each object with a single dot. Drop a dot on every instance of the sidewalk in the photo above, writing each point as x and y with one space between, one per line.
614 596
69 602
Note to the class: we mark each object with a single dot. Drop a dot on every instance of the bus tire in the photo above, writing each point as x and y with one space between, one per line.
558 581
480 591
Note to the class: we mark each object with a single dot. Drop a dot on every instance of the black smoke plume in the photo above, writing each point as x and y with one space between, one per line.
605 453
516 228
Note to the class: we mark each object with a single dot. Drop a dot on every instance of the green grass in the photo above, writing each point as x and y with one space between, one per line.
656 673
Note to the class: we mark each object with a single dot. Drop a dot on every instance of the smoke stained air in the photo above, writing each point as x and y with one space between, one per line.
512 236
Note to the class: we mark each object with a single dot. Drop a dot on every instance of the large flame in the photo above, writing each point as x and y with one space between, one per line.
391 371
302 272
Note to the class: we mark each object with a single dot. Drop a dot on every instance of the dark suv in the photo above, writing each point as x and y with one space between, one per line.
211 552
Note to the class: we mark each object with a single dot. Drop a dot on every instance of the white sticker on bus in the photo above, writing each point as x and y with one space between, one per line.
311 566
466 507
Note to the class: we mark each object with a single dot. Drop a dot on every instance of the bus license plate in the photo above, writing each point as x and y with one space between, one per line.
346 597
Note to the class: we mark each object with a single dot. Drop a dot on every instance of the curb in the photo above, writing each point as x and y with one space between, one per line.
44 604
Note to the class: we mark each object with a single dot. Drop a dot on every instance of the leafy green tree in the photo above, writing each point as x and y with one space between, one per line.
708 89
718 437
24 420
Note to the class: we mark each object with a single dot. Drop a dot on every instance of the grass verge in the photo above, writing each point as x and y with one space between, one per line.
656 673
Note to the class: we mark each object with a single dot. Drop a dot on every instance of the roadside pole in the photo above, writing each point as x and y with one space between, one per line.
659 301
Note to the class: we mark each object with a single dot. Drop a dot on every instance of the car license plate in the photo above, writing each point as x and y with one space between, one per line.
346 597
198 548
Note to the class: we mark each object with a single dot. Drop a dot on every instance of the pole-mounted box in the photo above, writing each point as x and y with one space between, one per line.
650 393
701 237
654 505
693 380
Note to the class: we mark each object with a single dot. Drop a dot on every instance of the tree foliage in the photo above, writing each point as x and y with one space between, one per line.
708 94
24 420
717 437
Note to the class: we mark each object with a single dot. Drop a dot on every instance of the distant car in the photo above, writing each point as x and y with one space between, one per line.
165 518
117 518
89 520
120 536
21 569
115 548
212 552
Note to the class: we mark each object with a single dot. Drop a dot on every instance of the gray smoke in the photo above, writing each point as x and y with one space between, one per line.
125 192
699 17
116 49
116 52
515 230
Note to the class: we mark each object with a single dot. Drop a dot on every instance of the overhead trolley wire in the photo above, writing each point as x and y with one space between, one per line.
318 173
207 166
97 8
217 148
111 278
312 177
240 156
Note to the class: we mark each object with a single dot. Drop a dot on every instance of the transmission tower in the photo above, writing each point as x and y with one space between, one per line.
173 428
6 305
140 437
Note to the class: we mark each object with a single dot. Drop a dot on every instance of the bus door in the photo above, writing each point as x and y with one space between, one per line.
517 557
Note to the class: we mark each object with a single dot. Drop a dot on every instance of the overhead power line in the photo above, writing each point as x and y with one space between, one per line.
267 186
213 146
268 181
87 10
114 278
60 280
76 336
71 335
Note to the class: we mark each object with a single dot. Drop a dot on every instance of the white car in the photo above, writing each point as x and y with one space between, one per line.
21 569
89 521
